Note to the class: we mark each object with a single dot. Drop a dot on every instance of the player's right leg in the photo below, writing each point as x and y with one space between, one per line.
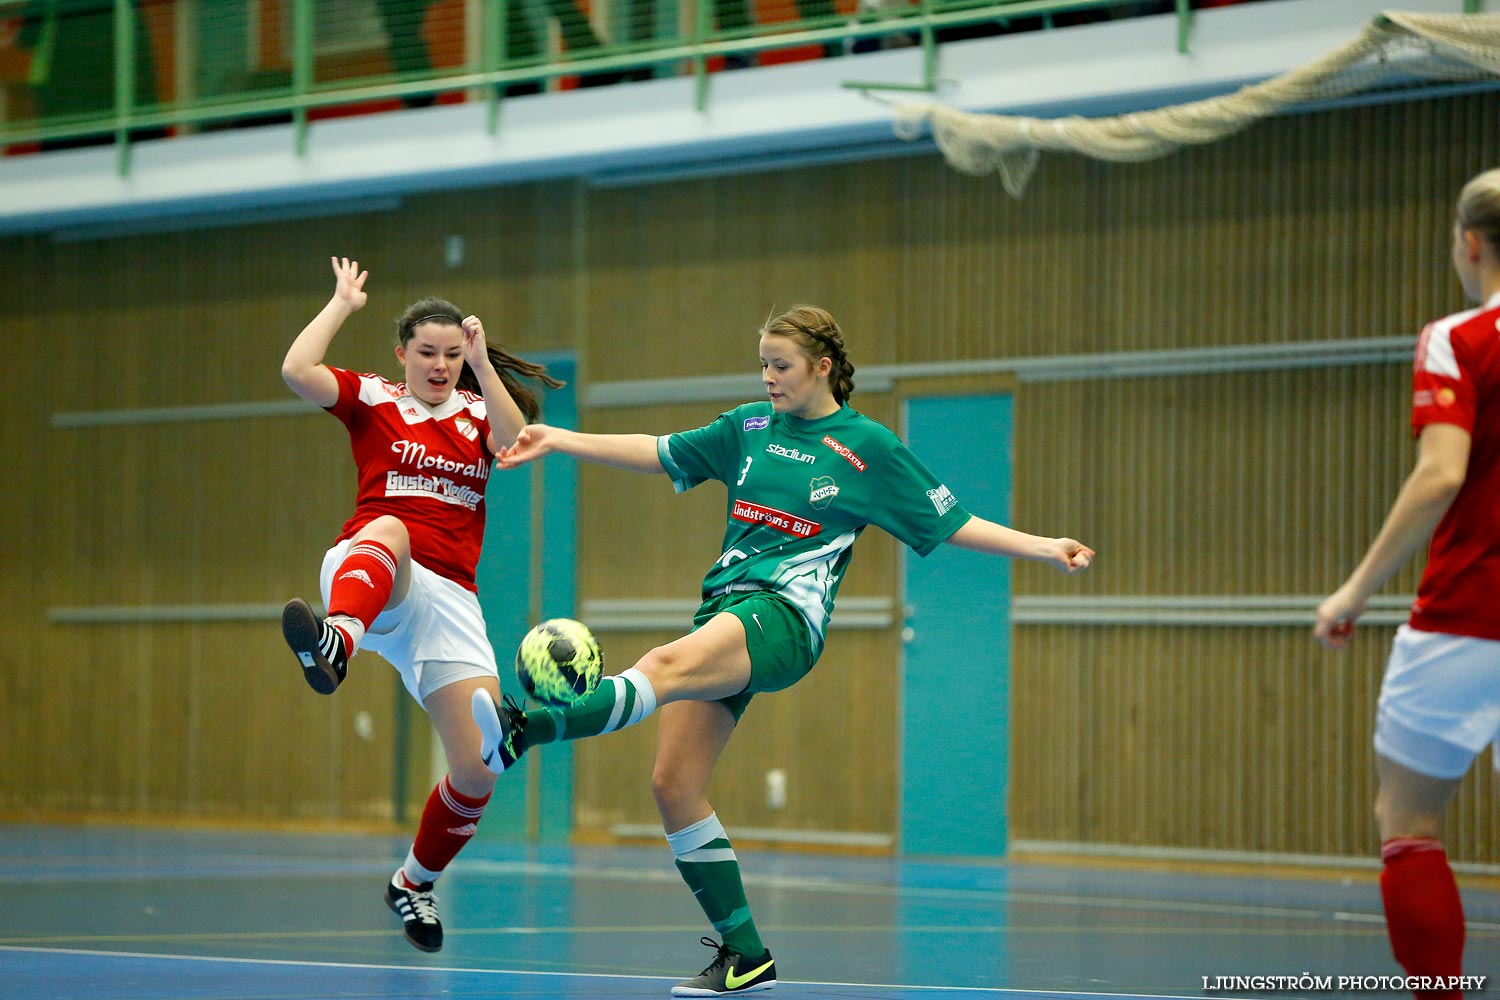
1436 712
709 663
371 572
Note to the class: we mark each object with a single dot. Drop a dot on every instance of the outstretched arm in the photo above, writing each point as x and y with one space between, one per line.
979 535
303 368
636 452
1442 463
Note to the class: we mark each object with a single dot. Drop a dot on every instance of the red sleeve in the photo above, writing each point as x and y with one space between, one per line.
343 407
1443 390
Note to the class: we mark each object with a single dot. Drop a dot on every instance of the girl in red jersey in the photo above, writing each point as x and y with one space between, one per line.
1440 700
400 578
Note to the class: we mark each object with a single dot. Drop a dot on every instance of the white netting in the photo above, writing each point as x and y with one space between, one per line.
1397 49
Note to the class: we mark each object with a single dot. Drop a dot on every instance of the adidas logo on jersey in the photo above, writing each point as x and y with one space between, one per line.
359 575
467 830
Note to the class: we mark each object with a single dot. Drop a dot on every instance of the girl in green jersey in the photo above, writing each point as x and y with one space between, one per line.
806 473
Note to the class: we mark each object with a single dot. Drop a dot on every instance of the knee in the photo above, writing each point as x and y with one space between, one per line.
670 788
470 777
664 667
1394 819
389 531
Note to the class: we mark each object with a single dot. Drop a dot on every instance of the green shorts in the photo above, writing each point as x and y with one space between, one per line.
777 636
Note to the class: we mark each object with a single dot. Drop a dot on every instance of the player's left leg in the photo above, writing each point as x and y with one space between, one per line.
690 739
456 804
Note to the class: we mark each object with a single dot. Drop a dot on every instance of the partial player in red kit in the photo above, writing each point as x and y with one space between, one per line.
400 578
1440 700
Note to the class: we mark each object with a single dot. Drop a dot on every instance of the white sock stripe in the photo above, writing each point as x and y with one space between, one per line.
691 838
702 856
446 793
645 694
376 552
619 709
415 873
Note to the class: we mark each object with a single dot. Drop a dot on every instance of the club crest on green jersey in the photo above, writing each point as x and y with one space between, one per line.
824 489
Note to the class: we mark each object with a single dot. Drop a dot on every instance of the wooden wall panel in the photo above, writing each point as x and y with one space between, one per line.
207 719
831 734
1315 226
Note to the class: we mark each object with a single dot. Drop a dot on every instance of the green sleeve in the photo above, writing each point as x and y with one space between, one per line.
708 452
914 505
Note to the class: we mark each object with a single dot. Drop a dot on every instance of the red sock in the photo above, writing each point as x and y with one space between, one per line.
361 586
448 821
1423 913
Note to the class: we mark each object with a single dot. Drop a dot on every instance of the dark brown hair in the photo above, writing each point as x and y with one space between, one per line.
511 368
815 331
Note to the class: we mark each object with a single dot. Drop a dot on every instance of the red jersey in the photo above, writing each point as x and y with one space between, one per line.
1457 381
428 466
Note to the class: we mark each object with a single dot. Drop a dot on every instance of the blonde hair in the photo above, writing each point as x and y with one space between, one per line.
1479 207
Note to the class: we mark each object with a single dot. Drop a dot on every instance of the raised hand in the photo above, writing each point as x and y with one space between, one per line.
475 351
351 282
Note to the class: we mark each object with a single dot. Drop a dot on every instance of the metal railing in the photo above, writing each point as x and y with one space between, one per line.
295 60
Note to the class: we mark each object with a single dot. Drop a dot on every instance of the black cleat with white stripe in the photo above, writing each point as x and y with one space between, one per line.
318 645
417 909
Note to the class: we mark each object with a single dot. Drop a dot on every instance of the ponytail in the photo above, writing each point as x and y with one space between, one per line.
512 369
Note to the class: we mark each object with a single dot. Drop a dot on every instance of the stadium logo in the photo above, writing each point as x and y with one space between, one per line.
795 454
849 456
824 490
757 423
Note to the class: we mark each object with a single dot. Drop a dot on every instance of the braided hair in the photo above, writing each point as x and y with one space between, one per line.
511 368
819 336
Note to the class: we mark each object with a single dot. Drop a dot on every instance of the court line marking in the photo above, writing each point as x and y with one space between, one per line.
373 967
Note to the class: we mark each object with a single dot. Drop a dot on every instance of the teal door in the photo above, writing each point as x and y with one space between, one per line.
526 574
955 671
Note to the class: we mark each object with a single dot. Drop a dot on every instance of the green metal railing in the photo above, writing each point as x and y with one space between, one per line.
296 90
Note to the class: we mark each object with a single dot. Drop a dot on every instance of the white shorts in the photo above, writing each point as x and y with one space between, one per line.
1440 701
433 638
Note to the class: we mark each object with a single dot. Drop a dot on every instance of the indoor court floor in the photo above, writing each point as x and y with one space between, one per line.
117 912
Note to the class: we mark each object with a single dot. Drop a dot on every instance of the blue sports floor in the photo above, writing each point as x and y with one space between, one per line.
110 913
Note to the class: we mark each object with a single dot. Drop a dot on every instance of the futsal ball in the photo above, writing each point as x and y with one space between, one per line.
559 662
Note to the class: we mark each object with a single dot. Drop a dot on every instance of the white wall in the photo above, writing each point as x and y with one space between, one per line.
755 118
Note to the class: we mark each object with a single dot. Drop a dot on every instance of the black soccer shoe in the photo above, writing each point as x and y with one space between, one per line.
318 645
729 973
417 909
502 730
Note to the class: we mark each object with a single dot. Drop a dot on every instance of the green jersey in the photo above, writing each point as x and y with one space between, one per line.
800 493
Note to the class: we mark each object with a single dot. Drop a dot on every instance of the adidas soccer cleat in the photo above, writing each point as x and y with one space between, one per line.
729 973
417 909
501 730
318 645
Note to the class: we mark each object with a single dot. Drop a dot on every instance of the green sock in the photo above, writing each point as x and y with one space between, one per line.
708 865
617 702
